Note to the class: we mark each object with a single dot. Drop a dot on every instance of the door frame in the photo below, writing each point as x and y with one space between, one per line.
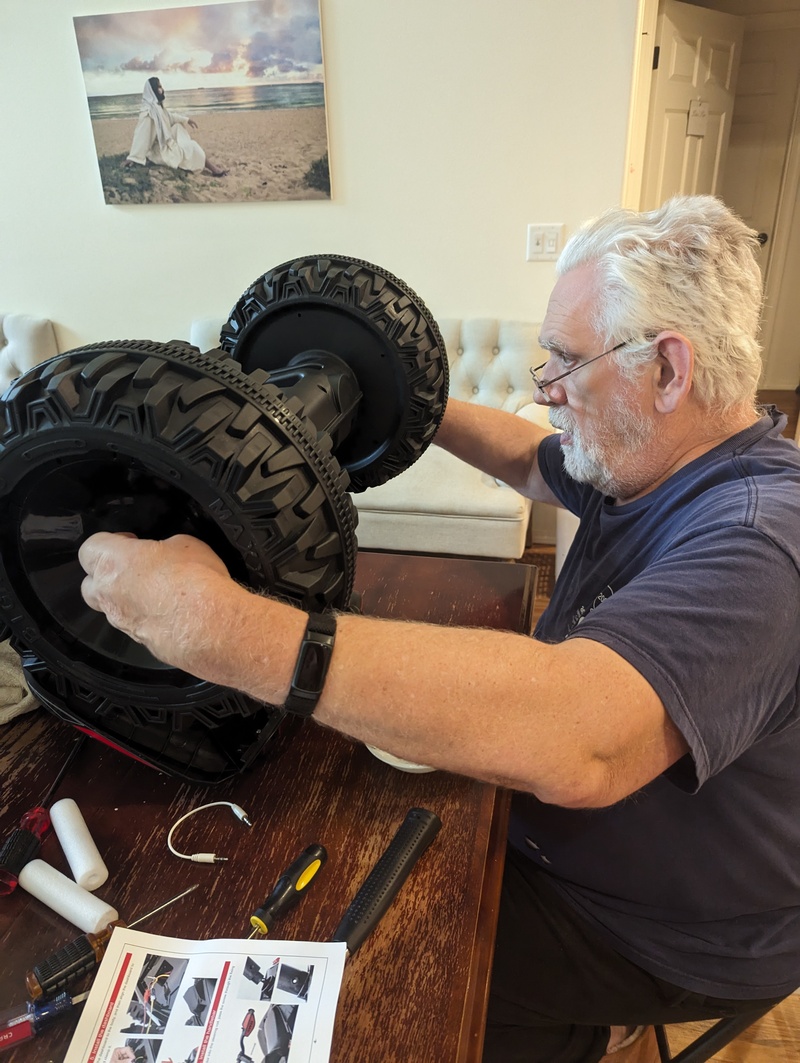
641 81
781 236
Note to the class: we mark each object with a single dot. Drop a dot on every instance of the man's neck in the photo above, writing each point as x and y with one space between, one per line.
698 437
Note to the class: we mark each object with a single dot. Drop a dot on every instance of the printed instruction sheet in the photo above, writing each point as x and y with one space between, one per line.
166 1000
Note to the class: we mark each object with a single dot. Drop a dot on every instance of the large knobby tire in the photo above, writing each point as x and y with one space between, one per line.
375 323
157 439
204 744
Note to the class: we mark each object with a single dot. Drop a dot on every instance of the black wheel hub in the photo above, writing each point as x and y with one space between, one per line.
374 323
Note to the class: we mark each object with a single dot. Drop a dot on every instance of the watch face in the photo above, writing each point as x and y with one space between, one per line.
311 667
312 664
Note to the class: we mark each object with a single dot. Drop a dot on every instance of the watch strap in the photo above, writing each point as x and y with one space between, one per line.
312 665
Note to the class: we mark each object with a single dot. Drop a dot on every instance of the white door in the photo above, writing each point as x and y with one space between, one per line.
763 183
691 101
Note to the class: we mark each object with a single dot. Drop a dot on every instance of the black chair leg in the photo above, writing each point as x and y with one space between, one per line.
663 1044
709 1042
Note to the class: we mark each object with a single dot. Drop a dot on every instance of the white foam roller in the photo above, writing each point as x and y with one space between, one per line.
66 897
82 854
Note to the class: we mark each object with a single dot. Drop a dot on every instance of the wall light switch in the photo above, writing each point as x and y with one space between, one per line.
544 242
535 243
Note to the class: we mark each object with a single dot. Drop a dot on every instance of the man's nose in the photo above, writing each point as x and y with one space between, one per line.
552 395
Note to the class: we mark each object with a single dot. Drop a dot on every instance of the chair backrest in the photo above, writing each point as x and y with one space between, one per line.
490 360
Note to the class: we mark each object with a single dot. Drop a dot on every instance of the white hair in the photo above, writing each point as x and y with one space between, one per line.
691 266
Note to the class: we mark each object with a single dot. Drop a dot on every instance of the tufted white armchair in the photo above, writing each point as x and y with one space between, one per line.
24 342
442 505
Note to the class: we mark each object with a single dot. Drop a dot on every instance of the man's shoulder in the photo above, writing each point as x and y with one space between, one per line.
754 471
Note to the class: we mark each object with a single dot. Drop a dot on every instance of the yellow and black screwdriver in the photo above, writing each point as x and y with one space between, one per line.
82 955
289 888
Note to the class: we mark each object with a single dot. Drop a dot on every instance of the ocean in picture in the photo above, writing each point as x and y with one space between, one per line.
234 98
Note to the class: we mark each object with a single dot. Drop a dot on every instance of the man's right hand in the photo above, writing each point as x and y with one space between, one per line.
160 594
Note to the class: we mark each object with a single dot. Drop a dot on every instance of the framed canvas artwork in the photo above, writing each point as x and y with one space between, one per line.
208 104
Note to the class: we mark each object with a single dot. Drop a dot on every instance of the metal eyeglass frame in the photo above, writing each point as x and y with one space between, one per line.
542 384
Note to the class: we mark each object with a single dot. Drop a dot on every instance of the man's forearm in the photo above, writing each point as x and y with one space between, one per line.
490 704
458 699
498 443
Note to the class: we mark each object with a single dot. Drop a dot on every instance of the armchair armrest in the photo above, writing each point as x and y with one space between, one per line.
25 341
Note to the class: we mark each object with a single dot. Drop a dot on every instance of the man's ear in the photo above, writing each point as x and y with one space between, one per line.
674 371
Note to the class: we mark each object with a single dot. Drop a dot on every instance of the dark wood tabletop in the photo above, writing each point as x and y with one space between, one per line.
416 989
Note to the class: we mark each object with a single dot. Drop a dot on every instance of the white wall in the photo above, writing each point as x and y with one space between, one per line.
452 123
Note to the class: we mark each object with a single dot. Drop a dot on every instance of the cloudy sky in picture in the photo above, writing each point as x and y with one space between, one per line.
253 42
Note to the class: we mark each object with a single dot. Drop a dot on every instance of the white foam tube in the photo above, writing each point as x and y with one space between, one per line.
66 897
82 854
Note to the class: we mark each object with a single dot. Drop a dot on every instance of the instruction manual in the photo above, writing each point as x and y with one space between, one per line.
166 1000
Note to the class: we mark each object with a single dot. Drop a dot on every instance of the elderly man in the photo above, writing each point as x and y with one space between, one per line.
650 728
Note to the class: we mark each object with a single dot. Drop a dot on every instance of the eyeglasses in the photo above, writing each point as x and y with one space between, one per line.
542 384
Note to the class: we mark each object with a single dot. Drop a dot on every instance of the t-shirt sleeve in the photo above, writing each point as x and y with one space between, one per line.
713 626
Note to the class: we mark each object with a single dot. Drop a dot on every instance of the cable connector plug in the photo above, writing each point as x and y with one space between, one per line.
207 858
240 813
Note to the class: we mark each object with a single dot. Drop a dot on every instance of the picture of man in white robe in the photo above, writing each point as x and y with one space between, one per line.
162 137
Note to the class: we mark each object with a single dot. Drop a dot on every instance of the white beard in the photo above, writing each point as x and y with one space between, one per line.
618 459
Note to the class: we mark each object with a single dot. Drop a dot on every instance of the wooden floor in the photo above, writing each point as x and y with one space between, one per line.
773 1039
776 1037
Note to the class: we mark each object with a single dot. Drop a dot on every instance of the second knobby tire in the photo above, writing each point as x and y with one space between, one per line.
157 439
378 326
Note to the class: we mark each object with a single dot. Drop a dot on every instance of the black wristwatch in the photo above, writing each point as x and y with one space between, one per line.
312 664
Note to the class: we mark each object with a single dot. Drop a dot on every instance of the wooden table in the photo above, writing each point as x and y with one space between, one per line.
416 990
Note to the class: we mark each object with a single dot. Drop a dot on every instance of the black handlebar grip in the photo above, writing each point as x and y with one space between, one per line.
383 883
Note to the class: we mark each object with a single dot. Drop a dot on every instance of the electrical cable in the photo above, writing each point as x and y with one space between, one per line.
205 858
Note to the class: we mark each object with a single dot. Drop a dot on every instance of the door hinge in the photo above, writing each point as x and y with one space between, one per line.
656 51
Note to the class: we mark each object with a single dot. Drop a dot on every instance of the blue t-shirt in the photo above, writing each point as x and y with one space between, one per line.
696 877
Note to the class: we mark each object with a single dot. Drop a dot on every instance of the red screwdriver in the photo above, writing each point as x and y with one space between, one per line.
25 1021
24 843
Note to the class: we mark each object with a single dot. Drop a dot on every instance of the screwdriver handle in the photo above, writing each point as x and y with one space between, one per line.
23 1023
69 963
19 848
383 883
289 888
23 844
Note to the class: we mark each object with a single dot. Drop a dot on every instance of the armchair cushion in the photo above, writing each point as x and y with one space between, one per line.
441 505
